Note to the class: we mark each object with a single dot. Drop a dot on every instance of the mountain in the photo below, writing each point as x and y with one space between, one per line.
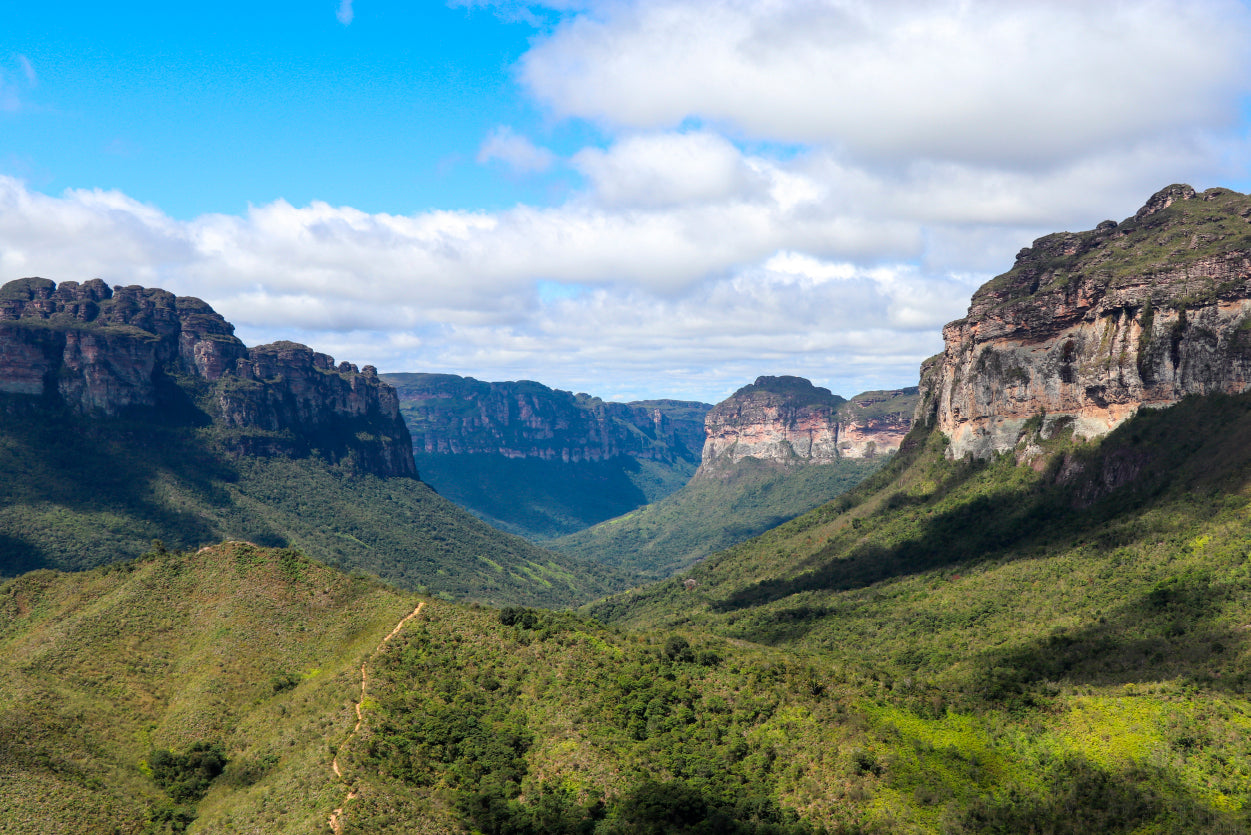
774 449
129 415
1072 612
788 420
1088 328
97 351
543 462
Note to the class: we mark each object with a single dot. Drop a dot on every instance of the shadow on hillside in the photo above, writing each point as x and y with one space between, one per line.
1198 450
79 491
1173 632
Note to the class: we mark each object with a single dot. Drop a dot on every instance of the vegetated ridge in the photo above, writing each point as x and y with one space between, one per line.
129 415
542 462
773 450
1059 634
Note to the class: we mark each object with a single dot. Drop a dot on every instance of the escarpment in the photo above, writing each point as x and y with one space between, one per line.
789 421
452 415
101 351
1087 328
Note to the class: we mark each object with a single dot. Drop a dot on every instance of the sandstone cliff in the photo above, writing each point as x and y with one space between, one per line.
1087 328
789 421
122 351
451 415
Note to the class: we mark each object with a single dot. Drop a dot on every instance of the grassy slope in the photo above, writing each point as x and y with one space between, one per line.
1024 618
712 513
99 668
541 499
82 494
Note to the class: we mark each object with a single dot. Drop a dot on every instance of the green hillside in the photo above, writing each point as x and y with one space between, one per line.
1082 617
542 499
251 655
711 513
81 493
542 462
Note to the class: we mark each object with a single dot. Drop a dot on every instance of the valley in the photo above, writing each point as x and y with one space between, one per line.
1016 598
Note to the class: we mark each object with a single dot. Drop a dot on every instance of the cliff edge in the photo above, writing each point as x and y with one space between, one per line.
119 351
1089 327
789 421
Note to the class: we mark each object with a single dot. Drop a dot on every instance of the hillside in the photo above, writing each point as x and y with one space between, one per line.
129 415
774 449
251 653
541 462
710 514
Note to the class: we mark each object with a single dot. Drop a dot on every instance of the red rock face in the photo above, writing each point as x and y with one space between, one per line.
788 421
1089 328
102 350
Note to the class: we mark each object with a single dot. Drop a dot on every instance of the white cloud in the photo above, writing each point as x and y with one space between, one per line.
1017 84
921 145
670 169
517 152
344 13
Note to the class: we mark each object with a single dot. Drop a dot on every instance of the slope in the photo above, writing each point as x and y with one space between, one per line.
124 689
1093 599
542 462
85 492
743 499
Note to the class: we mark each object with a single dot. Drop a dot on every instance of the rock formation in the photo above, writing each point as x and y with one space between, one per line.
789 421
1087 328
451 415
125 351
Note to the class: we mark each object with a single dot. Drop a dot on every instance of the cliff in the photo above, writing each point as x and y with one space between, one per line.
1089 327
789 421
451 415
98 351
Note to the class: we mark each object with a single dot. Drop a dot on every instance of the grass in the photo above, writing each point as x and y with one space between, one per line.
712 513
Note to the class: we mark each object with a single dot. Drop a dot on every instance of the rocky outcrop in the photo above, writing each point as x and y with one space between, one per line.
452 415
1088 328
789 421
115 351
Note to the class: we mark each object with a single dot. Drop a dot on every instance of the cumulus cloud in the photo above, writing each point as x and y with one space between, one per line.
515 151
785 186
344 13
1019 84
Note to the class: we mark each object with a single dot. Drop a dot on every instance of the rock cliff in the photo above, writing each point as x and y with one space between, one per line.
451 415
123 351
1089 327
789 421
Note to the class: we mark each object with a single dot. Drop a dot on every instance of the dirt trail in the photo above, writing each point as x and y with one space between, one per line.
336 817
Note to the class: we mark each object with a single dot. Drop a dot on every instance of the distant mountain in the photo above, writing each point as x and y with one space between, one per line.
773 450
542 462
128 415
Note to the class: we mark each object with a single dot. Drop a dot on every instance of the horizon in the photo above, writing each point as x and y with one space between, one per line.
639 199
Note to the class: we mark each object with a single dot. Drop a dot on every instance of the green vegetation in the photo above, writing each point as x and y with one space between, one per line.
797 391
81 493
1060 641
1210 226
514 453
543 499
713 512
138 697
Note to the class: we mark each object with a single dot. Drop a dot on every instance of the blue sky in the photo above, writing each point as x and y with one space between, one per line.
635 198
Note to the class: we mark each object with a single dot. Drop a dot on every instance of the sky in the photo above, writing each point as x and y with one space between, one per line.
631 198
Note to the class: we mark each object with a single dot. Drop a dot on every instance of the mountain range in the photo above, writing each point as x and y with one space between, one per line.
1033 617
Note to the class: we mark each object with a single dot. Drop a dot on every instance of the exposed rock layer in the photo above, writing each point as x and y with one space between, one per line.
789 421
451 415
104 351
1088 328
